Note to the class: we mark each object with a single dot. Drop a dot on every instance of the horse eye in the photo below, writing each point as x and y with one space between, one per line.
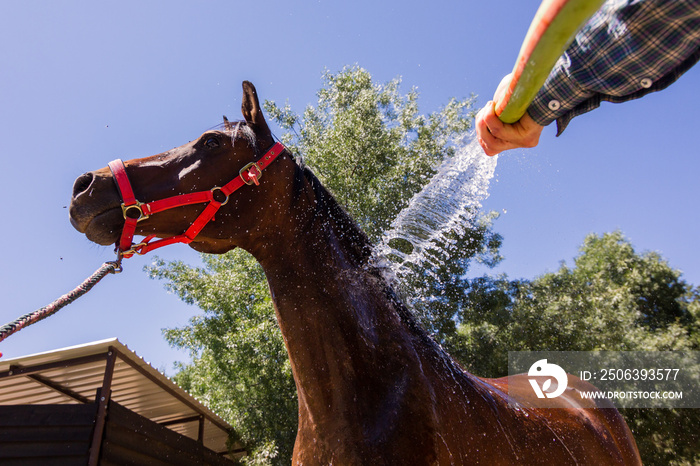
212 143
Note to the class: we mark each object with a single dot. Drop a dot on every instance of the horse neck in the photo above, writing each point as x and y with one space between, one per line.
344 336
354 349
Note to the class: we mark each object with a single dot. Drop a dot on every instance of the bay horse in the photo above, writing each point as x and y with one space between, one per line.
373 387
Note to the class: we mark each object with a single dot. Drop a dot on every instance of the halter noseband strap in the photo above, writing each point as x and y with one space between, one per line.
135 211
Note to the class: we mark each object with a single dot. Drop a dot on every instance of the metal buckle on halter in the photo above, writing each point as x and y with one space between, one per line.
134 249
248 168
137 206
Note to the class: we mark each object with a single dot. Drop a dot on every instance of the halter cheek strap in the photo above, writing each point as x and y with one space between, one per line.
135 211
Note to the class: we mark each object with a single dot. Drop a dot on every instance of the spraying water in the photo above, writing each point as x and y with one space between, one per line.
446 205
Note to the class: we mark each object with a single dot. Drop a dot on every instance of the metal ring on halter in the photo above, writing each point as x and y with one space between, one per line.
214 190
137 206
117 265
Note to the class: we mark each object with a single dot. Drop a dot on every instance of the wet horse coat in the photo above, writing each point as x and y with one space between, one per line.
373 388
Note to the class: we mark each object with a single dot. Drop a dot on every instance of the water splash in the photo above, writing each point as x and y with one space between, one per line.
448 203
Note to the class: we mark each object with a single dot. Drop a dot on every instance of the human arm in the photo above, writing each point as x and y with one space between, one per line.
625 51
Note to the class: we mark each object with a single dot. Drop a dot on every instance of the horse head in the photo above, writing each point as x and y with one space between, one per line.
190 185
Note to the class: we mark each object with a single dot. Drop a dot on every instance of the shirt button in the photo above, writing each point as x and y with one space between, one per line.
554 105
646 83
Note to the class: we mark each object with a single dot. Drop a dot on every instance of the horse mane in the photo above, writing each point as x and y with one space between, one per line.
355 242
335 219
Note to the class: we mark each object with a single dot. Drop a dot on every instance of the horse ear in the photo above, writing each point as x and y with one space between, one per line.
252 112
227 124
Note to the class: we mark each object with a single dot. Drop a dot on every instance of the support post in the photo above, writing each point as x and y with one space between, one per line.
102 401
200 433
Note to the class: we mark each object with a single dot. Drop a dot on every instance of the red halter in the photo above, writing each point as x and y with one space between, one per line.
135 211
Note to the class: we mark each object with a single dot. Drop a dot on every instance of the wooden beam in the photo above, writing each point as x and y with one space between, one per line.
45 381
182 420
103 395
16 371
200 432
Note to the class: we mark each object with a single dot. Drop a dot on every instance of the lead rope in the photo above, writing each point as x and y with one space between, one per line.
44 312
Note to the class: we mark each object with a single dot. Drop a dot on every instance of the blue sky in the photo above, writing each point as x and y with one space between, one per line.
82 83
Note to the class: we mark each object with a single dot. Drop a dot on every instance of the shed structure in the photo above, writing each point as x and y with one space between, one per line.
101 404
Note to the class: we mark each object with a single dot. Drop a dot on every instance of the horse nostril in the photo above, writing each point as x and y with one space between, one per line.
82 183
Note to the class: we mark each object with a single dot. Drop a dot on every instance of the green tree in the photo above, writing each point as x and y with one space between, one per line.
372 148
614 299
369 144
240 366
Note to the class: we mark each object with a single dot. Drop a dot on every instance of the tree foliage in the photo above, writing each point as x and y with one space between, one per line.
240 366
369 144
613 299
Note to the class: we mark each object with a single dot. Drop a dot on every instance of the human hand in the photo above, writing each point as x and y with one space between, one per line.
495 136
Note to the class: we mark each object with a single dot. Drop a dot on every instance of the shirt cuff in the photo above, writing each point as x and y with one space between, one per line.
558 97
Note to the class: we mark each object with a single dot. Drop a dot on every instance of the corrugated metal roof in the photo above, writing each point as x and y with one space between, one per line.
73 375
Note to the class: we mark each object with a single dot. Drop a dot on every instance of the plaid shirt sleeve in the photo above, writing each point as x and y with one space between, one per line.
628 49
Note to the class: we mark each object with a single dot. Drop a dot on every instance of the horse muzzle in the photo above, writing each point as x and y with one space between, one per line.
95 208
